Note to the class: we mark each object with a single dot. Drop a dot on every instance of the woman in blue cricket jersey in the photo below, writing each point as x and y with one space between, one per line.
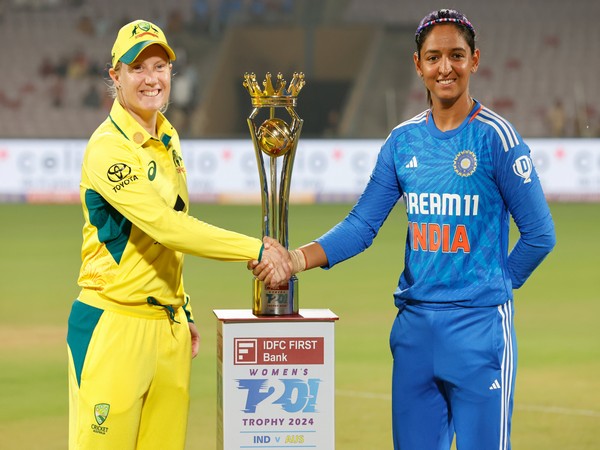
462 171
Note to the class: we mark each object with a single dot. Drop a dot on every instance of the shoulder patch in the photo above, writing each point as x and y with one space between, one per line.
523 167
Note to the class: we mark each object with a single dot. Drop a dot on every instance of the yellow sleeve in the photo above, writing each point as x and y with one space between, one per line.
136 199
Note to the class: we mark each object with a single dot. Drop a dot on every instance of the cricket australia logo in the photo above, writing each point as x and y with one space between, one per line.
143 28
465 163
178 161
523 168
101 412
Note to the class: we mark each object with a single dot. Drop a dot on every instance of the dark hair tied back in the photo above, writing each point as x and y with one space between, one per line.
445 16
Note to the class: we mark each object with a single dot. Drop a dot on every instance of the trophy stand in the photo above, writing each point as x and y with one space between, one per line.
276 380
275 138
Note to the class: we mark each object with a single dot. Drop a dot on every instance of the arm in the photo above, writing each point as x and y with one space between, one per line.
313 255
195 336
521 189
134 197
357 231
187 308
116 180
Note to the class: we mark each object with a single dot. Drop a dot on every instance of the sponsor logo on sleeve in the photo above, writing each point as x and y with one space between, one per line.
120 174
523 167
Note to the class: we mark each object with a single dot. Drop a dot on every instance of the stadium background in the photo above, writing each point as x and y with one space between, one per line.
355 54
539 69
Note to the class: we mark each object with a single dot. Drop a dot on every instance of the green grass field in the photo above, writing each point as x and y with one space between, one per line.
557 314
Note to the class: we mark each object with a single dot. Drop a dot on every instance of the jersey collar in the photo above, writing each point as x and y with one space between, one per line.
133 131
435 131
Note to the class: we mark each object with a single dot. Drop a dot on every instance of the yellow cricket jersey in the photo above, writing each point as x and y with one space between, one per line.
135 203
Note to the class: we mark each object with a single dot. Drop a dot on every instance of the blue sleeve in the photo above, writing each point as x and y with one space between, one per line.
356 232
522 193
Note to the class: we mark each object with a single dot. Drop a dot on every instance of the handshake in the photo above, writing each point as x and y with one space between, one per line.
277 264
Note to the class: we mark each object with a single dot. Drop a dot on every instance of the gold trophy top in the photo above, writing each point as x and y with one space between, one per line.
277 95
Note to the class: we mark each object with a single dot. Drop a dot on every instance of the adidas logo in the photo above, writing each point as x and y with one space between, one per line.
495 385
412 163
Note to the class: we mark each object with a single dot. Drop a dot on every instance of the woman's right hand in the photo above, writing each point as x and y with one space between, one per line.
275 267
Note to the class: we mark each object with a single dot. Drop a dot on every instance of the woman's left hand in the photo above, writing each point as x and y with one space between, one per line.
195 335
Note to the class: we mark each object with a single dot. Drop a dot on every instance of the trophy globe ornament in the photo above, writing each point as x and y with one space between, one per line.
275 137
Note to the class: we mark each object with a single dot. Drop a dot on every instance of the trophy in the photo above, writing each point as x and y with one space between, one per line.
272 139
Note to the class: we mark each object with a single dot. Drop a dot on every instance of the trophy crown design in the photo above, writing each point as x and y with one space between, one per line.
277 95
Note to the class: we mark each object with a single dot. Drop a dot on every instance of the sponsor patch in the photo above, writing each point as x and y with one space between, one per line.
118 172
523 167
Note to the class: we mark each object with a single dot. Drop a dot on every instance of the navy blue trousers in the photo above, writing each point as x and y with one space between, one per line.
453 375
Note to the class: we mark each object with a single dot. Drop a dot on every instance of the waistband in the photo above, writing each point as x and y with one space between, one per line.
448 305
150 309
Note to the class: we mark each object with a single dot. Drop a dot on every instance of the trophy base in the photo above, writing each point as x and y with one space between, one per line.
282 301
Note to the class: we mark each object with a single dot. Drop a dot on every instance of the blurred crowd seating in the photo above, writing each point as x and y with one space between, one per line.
539 65
55 67
539 59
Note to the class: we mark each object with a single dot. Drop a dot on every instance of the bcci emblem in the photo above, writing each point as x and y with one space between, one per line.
101 412
465 163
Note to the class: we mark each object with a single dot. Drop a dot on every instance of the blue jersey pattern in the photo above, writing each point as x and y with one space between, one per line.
460 188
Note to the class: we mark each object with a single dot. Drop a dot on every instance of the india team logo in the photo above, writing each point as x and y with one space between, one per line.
101 412
465 163
523 167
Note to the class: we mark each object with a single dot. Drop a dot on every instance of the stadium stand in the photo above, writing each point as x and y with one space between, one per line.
534 54
357 57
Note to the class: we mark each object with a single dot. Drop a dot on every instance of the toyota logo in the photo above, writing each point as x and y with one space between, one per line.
118 172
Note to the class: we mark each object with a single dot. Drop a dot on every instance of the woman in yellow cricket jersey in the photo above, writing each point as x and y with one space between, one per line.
131 334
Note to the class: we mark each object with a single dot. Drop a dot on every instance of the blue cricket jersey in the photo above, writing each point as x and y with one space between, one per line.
460 188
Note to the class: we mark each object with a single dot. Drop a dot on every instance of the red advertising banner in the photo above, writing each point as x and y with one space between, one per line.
268 350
